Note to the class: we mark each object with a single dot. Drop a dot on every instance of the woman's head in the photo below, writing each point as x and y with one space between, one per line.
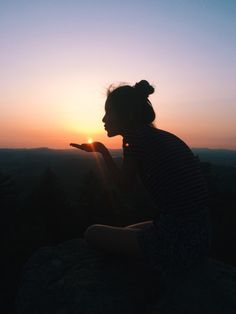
128 107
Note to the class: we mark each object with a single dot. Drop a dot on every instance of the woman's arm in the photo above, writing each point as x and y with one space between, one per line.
114 171
124 178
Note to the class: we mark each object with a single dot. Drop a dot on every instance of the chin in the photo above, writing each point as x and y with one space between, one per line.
112 133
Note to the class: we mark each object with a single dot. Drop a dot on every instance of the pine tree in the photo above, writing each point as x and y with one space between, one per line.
8 205
89 197
49 209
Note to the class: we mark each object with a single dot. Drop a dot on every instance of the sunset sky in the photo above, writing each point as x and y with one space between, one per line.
57 59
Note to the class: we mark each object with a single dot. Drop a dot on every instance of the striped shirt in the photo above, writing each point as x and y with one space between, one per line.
180 235
168 169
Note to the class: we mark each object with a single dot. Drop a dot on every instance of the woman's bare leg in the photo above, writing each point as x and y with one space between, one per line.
140 225
115 240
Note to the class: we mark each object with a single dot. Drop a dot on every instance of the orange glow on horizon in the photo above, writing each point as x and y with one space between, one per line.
57 138
56 126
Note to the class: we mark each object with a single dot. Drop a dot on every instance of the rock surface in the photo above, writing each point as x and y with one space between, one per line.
73 278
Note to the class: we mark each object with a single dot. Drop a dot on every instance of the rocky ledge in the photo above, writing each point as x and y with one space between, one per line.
73 278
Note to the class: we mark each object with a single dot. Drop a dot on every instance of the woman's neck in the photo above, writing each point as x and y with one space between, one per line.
129 130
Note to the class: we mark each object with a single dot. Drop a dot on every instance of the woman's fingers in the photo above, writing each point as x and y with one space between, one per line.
75 145
85 147
92 147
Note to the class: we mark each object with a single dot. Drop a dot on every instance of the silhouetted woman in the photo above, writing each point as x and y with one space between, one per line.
178 236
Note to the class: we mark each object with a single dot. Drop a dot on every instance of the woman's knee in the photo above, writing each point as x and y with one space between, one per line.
92 231
116 240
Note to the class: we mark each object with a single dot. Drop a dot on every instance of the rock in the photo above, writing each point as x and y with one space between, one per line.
73 278
210 288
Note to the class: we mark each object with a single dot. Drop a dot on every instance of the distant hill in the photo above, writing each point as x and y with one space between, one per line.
26 166
224 157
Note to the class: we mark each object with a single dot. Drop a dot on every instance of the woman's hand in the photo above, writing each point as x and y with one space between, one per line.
93 147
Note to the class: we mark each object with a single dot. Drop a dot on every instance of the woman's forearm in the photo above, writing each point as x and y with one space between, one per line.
125 180
114 171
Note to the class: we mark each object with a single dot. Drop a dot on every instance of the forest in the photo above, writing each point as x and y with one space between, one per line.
51 196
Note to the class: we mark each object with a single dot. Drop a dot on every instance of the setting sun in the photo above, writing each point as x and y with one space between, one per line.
54 88
90 140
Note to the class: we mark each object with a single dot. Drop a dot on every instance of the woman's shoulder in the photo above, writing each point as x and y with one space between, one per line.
171 140
154 132
153 138
145 136
157 136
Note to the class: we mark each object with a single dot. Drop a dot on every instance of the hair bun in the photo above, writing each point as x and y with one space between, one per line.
144 88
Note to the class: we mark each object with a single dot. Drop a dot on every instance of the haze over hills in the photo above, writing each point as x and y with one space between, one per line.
225 157
27 165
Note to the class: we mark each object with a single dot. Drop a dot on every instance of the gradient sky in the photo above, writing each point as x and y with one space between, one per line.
57 59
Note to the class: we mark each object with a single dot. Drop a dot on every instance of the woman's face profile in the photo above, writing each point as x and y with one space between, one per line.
112 123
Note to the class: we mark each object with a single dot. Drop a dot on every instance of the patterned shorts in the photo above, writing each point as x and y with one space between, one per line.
174 244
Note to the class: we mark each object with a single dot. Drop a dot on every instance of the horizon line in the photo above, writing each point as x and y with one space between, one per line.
73 149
